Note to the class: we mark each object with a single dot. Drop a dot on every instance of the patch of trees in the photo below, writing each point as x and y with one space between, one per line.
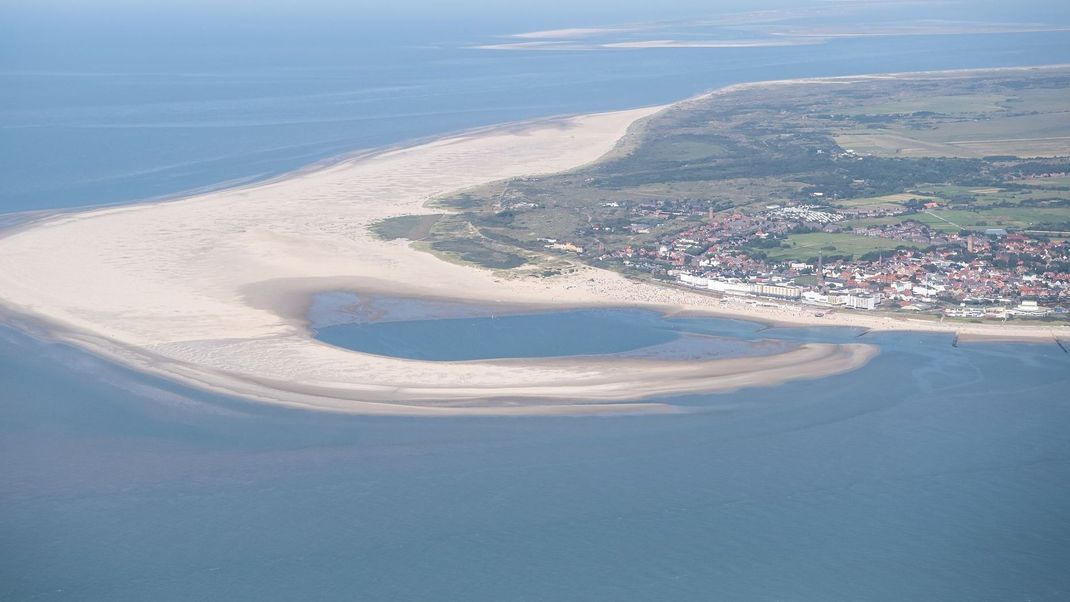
503 219
1034 168
1053 226
765 243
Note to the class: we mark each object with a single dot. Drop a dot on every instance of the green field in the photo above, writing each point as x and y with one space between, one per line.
1016 218
1044 135
888 199
1025 122
981 198
809 246
952 104
1055 182
1011 218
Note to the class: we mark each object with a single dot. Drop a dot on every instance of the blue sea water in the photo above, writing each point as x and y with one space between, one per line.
933 473
119 118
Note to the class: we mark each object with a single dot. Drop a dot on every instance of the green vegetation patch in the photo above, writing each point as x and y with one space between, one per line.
408 227
831 244
954 220
685 148
1016 218
1057 182
477 252
1043 135
888 199
956 103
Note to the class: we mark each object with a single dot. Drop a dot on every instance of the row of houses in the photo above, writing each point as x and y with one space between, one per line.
1025 308
780 290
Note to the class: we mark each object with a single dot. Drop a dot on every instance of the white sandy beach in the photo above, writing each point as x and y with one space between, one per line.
210 290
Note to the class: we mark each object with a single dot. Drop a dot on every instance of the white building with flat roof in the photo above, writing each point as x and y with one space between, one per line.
863 301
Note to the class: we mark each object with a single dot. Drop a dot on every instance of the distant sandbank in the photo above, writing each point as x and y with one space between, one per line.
209 290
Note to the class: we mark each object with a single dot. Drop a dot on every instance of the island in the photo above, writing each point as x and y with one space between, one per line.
736 202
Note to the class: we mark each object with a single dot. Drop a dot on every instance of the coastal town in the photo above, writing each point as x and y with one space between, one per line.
858 201
963 273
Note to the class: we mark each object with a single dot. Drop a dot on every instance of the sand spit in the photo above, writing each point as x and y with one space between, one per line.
207 290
